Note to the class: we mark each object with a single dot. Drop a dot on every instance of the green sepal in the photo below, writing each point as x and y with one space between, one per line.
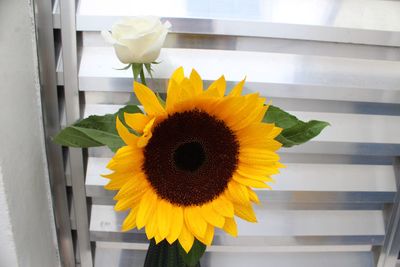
295 131
136 69
192 258
95 131
149 69
125 68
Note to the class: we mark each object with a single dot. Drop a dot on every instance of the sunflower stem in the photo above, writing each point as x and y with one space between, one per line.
165 255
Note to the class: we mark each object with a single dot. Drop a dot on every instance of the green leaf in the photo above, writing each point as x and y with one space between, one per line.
295 131
193 257
281 118
74 138
112 140
303 132
103 123
95 131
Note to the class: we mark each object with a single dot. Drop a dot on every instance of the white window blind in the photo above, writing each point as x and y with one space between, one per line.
337 202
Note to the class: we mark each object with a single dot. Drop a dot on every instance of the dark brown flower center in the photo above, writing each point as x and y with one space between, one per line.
190 158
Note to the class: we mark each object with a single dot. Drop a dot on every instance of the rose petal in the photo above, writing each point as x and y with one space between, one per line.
108 37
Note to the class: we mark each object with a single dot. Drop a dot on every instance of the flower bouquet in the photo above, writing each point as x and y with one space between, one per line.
189 163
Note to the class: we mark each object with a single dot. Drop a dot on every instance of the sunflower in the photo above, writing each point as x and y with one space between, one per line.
194 161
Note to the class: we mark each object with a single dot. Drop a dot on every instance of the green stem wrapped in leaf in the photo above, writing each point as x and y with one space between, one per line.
173 255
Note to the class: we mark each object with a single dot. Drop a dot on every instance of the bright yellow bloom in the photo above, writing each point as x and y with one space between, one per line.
195 162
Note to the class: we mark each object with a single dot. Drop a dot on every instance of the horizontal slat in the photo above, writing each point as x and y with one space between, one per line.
272 45
105 257
349 134
297 183
319 224
368 22
257 249
272 74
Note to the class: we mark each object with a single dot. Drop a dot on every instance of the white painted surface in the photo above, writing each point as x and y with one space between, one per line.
8 253
27 232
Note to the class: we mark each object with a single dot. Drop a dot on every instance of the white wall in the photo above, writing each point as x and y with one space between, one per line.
27 235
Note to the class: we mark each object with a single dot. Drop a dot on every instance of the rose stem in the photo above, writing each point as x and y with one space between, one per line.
142 78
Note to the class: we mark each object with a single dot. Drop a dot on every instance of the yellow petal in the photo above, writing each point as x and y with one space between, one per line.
250 114
132 168
151 226
225 107
133 187
119 163
147 207
194 221
147 134
217 88
223 206
250 182
173 93
123 132
128 203
238 192
251 161
230 227
253 196
256 156
274 132
257 171
187 90
178 75
116 184
268 144
157 237
258 131
240 113
253 116
211 216
128 163
137 121
176 224
196 81
259 153
208 237
245 212
130 221
261 115
148 99
125 152
237 89
164 218
186 238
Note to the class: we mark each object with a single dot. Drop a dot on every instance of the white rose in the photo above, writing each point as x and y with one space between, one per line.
138 39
